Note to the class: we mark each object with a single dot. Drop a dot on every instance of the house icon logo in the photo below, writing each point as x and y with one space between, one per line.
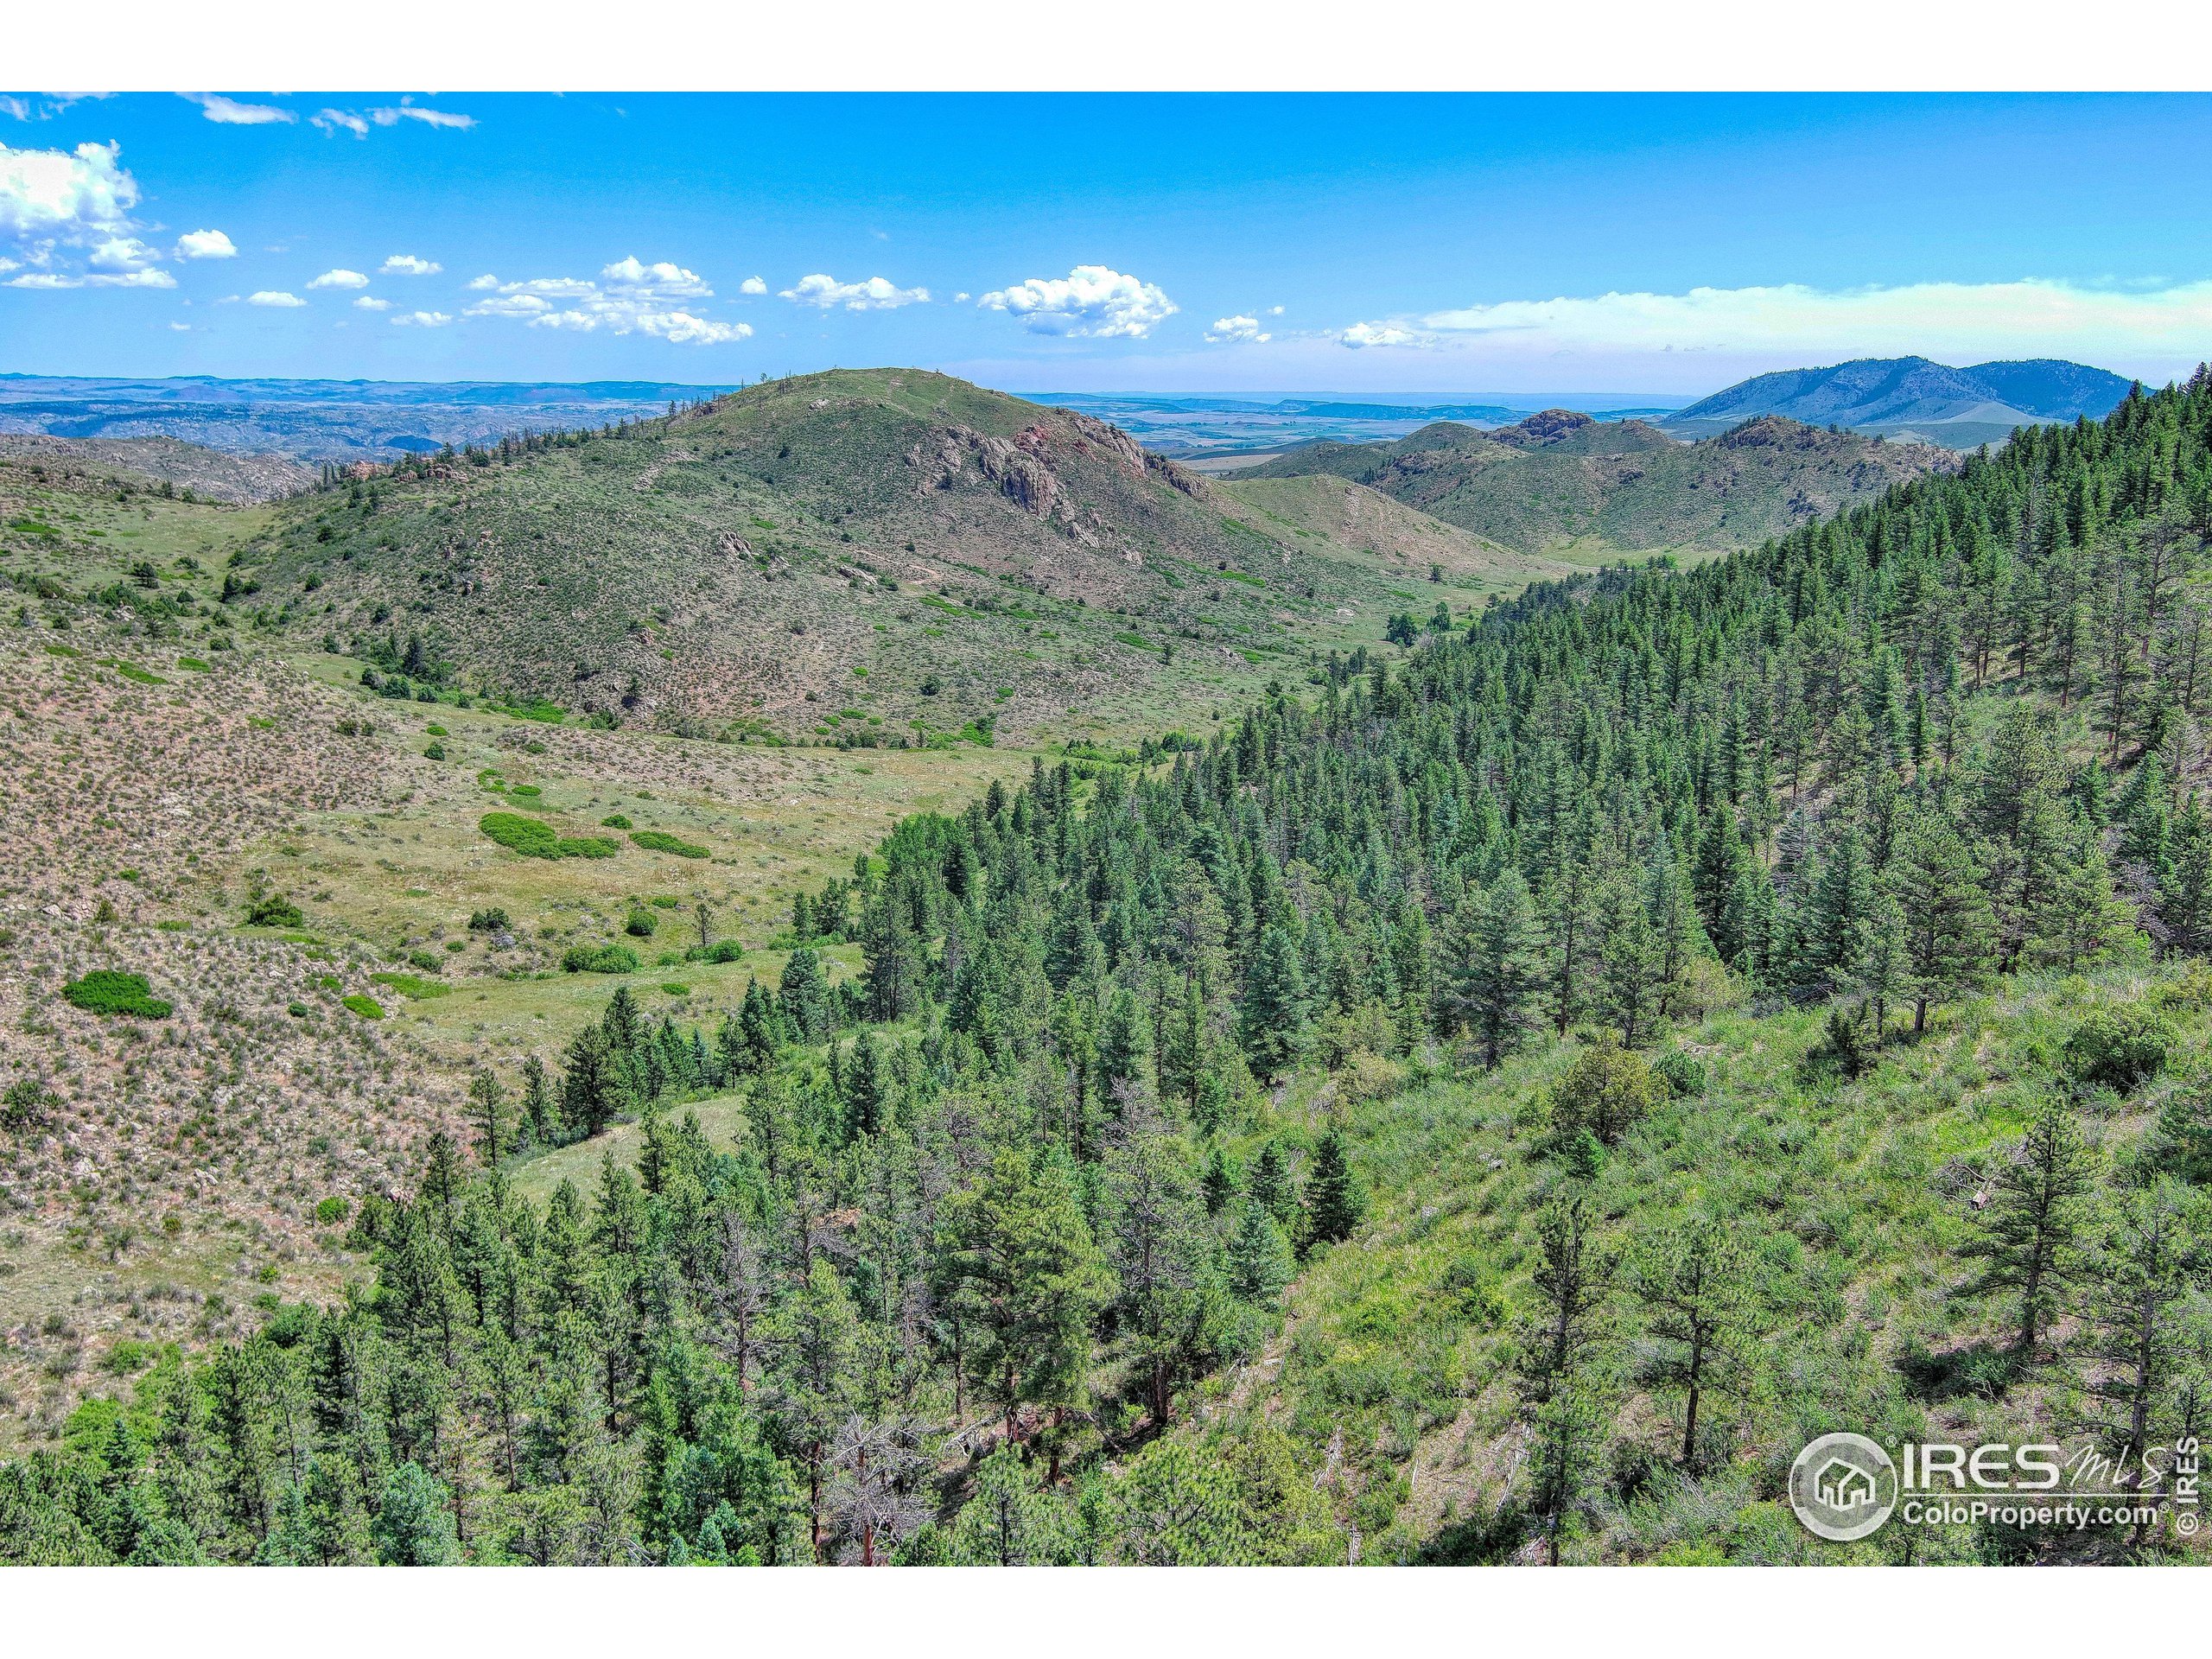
1843 1487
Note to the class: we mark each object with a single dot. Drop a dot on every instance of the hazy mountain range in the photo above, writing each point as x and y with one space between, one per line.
1911 396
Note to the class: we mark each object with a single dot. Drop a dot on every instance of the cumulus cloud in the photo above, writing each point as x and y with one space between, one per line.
753 285
65 193
1233 330
406 265
1091 301
423 320
876 294
276 297
204 244
341 277
232 113
633 299
125 253
369 302
58 208
663 281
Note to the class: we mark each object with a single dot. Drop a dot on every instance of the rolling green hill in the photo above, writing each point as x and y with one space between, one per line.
1560 478
848 553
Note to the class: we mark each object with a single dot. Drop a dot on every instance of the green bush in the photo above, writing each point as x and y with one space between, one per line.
273 910
660 841
427 961
614 820
533 838
297 1010
2120 1048
642 925
367 1006
105 991
493 920
600 959
674 990
412 987
1683 1074
332 1211
720 951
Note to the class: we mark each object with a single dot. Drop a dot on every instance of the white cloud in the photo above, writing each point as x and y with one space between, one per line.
1795 323
1091 301
1362 334
406 265
52 279
121 253
423 320
408 109
341 277
275 297
232 113
1228 330
663 280
368 302
62 193
20 108
332 120
753 285
181 328
960 298
204 244
876 294
634 301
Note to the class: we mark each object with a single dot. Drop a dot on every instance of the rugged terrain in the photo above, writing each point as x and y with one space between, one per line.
864 556
1561 479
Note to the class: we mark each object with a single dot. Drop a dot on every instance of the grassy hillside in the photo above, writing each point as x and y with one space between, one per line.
1403 544
847 554
1623 486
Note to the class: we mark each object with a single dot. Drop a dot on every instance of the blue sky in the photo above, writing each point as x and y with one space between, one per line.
1261 243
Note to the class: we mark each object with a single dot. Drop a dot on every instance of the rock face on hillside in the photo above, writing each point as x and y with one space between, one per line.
837 554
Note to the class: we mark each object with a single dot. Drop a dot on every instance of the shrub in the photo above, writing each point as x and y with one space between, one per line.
427 961
411 986
26 1104
614 820
1683 1074
273 910
660 841
720 951
2118 1047
367 1006
2183 1144
641 925
674 990
332 1211
434 751
526 789
493 920
600 959
297 1010
105 991
1605 1091
533 838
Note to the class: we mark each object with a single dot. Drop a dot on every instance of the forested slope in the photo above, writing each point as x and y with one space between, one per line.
1681 1013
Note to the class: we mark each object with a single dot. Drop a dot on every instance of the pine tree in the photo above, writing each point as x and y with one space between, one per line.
1948 939
1493 974
2028 1232
1691 1279
1272 1016
1332 1201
